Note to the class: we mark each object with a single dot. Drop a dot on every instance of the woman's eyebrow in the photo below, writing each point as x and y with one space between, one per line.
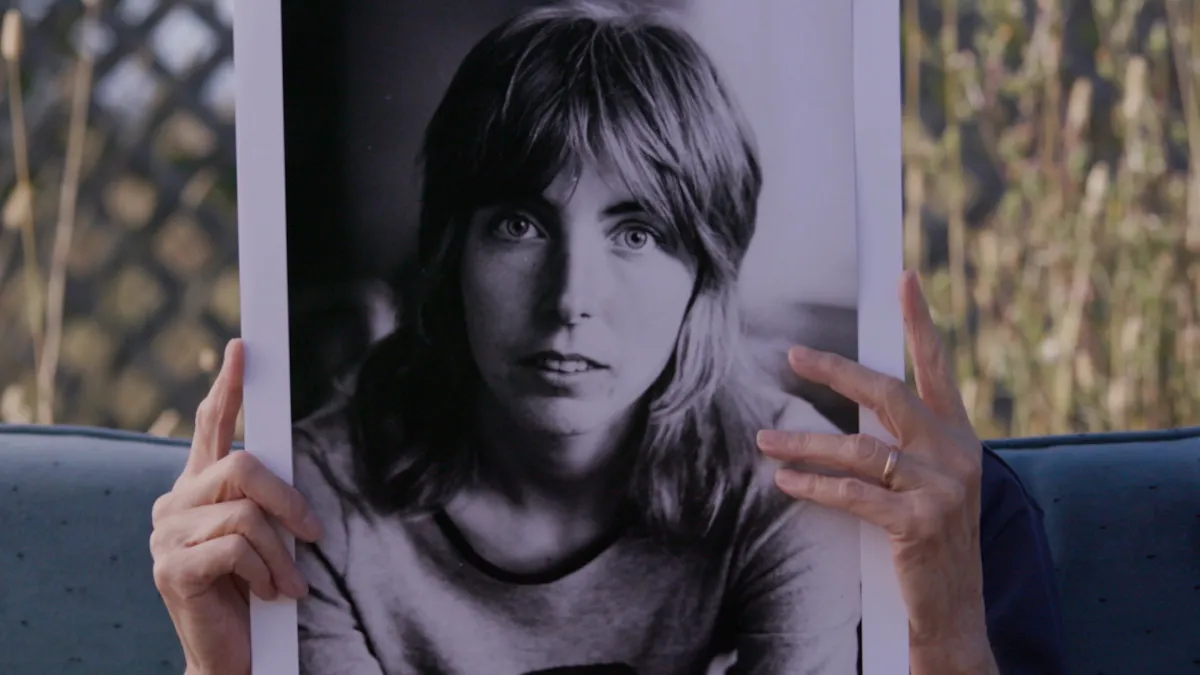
533 202
625 208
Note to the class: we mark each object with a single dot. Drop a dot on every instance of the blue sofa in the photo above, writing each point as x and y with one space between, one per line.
76 593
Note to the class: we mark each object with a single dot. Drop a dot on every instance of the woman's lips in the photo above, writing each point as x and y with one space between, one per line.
561 364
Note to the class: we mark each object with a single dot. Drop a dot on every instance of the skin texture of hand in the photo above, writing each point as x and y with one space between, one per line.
931 513
213 540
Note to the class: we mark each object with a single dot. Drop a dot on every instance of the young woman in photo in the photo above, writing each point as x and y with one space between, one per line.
551 462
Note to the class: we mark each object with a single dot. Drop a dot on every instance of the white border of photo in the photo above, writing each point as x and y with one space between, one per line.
258 58
880 210
262 274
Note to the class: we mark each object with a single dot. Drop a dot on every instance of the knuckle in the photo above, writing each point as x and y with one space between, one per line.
245 517
863 448
165 575
238 548
205 412
241 465
161 508
226 548
823 484
894 390
157 550
797 443
229 546
850 490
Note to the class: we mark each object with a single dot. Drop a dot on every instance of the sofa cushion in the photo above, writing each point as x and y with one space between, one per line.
77 592
1122 513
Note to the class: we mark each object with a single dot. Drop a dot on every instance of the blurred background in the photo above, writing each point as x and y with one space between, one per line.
1052 203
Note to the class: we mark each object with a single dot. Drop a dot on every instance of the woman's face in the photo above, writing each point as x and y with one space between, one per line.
573 302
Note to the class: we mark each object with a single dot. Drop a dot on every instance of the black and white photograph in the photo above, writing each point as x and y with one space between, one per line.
544 263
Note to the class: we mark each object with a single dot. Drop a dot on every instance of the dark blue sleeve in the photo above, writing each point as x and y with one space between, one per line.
1019 588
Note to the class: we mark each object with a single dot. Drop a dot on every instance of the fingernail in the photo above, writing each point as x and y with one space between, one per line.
771 440
312 526
798 353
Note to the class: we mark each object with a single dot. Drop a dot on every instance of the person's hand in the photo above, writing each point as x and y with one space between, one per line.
213 540
927 498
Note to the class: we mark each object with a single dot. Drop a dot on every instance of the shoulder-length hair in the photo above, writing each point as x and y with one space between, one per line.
549 90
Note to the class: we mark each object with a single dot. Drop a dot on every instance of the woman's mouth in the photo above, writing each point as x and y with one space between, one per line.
559 363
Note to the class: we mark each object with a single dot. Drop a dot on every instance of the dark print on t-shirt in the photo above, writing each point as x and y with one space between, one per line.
598 669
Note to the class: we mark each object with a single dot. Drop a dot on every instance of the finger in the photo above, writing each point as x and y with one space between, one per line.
242 476
871 503
216 416
234 372
189 572
861 454
242 517
896 406
932 368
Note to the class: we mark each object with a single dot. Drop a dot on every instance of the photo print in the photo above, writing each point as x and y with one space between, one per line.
519 280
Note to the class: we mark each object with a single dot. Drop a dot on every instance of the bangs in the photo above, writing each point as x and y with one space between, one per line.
543 96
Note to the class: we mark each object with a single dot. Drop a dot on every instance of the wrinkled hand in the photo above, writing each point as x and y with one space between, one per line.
931 511
213 542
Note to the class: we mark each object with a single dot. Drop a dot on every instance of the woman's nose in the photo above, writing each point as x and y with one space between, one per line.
579 281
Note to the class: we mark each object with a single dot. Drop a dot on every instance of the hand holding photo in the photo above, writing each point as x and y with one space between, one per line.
213 542
924 492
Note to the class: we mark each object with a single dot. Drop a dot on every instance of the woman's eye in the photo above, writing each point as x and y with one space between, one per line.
515 227
637 237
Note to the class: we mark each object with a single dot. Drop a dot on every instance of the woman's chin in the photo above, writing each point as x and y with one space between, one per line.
563 416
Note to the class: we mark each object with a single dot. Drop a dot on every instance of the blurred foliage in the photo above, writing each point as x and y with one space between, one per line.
1052 202
1053 205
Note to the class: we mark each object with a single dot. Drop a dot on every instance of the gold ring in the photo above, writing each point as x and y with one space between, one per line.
889 469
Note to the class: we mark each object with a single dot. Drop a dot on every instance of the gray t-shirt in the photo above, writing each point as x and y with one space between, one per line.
394 595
